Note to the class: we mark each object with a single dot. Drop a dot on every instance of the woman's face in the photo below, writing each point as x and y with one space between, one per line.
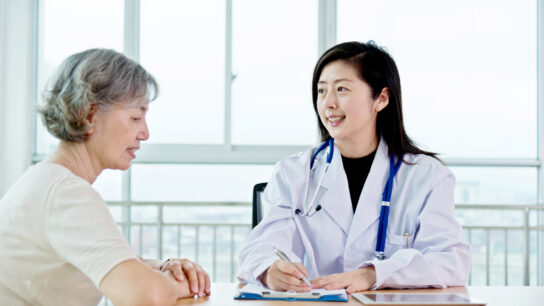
345 104
116 134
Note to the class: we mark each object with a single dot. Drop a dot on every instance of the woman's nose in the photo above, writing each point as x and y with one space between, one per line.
144 132
330 100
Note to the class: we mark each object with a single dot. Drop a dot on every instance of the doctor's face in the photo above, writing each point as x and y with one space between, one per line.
345 104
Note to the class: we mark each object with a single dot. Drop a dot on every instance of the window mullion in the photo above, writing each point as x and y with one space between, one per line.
131 44
229 77
540 134
327 25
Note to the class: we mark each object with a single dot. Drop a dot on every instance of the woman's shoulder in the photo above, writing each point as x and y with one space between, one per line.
426 164
53 182
60 176
37 180
297 160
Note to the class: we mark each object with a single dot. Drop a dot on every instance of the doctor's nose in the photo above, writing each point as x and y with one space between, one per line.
330 100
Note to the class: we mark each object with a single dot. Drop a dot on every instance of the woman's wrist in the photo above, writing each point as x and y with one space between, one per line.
163 264
154 264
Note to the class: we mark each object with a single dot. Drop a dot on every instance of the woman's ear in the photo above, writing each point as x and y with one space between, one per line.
382 101
91 118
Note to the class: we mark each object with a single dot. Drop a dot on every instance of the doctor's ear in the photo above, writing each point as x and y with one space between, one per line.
382 101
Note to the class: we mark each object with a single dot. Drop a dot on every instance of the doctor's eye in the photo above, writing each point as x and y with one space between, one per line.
341 89
320 91
136 119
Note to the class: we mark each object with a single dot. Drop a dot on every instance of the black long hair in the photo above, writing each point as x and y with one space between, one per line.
375 67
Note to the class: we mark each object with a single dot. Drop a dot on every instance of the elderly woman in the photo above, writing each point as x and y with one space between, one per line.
59 244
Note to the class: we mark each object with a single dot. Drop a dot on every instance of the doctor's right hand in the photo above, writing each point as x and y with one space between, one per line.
282 276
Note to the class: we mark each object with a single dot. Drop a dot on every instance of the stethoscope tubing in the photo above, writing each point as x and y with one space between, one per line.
386 196
384 210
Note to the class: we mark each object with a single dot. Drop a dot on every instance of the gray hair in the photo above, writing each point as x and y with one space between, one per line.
100 77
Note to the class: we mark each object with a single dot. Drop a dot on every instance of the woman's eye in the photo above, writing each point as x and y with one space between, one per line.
320 90
342 88
136 119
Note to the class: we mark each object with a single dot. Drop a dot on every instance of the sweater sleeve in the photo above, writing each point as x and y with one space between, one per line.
81 229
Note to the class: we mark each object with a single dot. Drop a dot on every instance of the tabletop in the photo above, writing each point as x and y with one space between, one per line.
223 293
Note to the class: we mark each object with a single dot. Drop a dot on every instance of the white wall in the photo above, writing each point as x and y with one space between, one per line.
17 58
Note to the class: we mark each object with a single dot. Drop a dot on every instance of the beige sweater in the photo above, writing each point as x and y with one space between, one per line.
57 240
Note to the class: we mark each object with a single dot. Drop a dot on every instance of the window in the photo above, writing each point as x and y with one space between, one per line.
235 97
467 70
273 60
189 66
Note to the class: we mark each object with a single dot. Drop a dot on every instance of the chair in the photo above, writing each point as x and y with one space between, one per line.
257 207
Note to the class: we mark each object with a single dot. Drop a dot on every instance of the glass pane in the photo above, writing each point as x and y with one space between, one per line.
274 53
468 70
495 185
109 184
208 214
208 183
67 27
182 43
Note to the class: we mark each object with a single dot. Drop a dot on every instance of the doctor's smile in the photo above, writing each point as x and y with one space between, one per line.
335 120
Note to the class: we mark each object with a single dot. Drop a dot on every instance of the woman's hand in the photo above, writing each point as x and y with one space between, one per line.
282 276
182 269
181 287
353 281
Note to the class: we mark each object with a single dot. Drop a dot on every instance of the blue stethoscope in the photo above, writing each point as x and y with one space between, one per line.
311 209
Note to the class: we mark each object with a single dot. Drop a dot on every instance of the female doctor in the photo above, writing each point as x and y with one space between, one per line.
367 208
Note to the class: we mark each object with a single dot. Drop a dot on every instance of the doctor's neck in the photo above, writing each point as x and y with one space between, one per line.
359 147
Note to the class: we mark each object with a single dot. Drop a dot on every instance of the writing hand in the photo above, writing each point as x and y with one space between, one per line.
282 276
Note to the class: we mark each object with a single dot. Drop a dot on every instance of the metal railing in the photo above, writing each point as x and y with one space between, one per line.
215 245
521 226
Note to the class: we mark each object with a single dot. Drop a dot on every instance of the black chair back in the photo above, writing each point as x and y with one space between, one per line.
257 208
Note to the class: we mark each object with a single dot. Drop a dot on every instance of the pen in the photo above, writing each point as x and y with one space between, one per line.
407 239
286 259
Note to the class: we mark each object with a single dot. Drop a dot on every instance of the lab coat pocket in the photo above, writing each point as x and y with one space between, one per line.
394 243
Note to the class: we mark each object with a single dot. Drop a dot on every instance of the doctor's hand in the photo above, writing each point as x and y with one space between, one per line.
353 281
186 270
282 276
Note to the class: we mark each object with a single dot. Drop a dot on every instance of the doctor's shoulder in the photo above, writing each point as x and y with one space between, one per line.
428 166
297 161
292 170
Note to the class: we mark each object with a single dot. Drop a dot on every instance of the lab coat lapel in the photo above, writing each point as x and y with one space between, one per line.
336 202
368 207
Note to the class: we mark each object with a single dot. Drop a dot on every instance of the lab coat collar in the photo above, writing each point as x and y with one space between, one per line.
331 202
368 207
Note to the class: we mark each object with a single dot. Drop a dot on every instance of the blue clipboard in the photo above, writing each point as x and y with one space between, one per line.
257 292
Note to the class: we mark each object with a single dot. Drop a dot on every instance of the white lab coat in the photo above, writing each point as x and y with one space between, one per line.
336 240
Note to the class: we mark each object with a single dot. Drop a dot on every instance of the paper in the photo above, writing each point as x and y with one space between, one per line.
314 294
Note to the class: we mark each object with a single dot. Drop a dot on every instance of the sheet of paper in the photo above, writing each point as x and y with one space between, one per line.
254 288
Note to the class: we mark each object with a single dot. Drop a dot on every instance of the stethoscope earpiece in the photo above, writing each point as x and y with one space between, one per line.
297 211
318 208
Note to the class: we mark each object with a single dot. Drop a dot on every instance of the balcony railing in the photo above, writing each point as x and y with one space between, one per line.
506 239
